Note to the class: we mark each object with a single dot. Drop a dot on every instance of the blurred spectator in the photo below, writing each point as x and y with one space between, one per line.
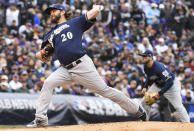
77 13
168 13
117 44
77 89
118 86
23 16
12 14
124 11
65 89
137 14
145 45
153 14
4 87
179 14
132 89
187 74
139 93
37 87
144 5
161 47
2 14
24 88
125 84
24 75
133 75
3 61
190 24
39 70
26 31
32 80
191 65
4 78
116 18
14 84
188 98
13 29
106 15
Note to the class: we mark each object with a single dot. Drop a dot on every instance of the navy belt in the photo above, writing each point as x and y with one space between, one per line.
73 64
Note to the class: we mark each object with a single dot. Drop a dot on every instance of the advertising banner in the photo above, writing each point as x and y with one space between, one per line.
19 109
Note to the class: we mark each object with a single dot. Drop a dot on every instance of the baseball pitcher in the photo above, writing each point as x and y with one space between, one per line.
162 82
64 40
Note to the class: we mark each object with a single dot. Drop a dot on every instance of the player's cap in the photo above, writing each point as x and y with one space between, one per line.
142 22
134 69
147 53
15 75
28 23
24 73
77 11
135 6
4 77
161 6
173 32
76 84
178 3
154 5
139 88
55 6
161 40
5 84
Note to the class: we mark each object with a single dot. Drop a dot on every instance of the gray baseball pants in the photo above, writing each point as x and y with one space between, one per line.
86 74
174 97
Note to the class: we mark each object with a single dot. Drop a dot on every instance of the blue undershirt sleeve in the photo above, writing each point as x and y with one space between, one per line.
164 74
146 83
166 86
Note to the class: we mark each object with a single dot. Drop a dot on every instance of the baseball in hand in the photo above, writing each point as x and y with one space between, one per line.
100 7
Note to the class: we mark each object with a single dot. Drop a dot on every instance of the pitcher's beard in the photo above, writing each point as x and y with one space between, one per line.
146 62
56 19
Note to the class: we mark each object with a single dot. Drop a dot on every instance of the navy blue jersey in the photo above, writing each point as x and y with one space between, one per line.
66 38
46 37
160 75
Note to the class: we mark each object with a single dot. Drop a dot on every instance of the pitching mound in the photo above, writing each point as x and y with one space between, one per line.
119 126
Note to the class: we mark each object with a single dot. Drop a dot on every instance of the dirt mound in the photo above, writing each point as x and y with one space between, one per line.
118 126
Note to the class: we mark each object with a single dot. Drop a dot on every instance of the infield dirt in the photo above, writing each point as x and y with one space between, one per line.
118 126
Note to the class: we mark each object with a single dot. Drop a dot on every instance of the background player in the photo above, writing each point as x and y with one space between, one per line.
164 82
66 38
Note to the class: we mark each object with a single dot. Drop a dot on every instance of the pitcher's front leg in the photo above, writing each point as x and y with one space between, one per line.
57 78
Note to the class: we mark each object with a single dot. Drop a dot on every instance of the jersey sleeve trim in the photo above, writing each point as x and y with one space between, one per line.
51 40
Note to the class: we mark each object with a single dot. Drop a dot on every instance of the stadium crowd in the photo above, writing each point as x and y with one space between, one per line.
123 29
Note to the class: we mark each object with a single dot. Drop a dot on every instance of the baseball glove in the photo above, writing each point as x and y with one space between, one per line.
150 98
47 52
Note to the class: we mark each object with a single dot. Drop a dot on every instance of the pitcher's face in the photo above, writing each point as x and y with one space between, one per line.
55 15
146 59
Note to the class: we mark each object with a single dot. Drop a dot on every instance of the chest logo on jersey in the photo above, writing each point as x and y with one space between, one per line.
59 29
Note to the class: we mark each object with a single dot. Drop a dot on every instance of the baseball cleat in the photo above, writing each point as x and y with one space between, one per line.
143 117
38 123
141 114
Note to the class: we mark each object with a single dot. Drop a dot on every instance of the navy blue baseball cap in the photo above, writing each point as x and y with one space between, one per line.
55 6
147 53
